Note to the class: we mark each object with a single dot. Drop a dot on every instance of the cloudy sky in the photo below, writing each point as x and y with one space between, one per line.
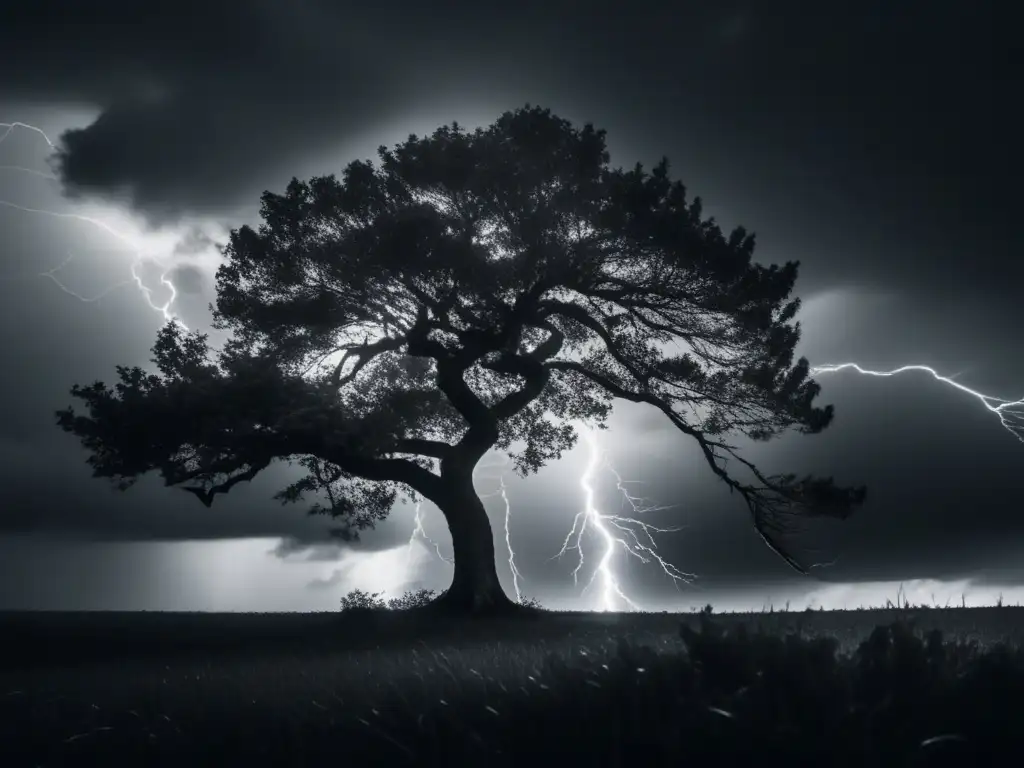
875 142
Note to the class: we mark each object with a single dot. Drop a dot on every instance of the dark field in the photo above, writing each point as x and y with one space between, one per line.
596 689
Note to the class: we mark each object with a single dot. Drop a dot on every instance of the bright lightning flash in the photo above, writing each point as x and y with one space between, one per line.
502 493
1010 412
631 534
51 274
420 531
141 256
616 531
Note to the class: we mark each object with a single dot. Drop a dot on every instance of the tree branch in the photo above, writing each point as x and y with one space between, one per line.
584 318
396 470
206 495
531 368
434 448
757 503
363 354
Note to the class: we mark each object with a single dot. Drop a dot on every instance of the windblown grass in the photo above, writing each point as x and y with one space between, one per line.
812 688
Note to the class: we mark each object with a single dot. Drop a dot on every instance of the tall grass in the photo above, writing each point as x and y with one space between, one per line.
648 689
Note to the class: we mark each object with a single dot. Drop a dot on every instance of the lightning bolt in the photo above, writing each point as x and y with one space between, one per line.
8 128
516 576
1010 412
30 171
502 493
140 255
616 531
636 537
51 275
629 533
419 531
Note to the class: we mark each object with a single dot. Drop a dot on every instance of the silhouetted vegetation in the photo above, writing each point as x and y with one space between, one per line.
359 601
474 291
597 689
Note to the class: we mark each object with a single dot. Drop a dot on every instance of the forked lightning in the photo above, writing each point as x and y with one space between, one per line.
140 255
1010 412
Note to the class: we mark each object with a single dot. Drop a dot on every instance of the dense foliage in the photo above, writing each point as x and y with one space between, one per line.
473 290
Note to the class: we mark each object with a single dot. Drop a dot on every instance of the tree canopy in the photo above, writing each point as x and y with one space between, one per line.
471 290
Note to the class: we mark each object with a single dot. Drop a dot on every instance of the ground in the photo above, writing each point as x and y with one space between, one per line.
217 689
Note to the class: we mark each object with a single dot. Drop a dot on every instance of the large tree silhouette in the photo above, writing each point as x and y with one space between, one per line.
471 291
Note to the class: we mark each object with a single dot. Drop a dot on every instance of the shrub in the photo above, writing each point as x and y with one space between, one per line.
418 599
360 601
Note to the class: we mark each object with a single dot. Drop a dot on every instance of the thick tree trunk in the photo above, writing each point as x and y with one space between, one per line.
475 588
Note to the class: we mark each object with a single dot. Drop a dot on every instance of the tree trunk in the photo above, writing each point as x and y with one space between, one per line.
475 588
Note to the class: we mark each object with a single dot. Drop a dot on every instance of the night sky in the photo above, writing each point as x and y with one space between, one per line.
875 142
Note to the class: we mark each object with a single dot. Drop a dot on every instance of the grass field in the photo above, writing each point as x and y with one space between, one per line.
323 689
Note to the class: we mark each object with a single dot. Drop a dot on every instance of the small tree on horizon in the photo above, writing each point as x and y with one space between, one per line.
474 291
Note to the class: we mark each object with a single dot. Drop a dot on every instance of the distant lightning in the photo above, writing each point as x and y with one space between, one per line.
140 256
631 534
8 128
1010 412
628 533
30 171
51 275
420 532
636 537
502 493
516 575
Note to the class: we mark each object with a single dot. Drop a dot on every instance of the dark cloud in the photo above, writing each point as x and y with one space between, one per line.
59 497
193 242
188 279
940 471
193 114
310 551
871 163
73 501
329 582
196 117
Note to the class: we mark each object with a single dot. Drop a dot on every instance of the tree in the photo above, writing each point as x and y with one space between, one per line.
475 290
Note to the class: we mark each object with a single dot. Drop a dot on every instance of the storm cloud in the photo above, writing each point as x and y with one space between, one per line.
864 114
